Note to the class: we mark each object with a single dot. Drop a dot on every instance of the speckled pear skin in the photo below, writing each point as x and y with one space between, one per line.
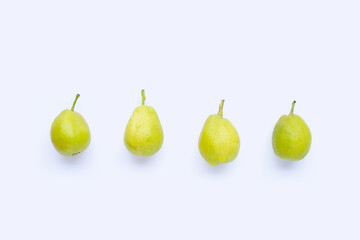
70 133
291 137
144 134
219 141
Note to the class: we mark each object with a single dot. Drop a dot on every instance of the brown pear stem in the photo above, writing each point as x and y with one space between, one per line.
76 98
143 97
221 106
292 108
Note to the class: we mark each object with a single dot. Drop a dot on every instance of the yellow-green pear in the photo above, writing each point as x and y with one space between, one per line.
219 141
144 134
291 137
70 134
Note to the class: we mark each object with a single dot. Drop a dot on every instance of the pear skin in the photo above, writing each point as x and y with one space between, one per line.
291 137
144 134
219 141
70 133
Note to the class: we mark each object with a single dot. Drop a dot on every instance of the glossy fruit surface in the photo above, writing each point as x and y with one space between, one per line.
219 141
291 137
144 134
70 134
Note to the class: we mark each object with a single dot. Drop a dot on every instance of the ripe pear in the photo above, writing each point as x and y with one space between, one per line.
291 137
70 134
144 135
219 141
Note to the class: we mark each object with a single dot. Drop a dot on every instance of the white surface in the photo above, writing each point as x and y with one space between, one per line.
188 55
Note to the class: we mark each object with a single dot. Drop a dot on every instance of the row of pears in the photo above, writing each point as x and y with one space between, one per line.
219 141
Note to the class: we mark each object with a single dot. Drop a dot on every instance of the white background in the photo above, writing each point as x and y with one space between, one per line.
188 55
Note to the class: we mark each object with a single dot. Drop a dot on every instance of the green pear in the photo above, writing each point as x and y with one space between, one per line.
291 137
70 133
219 141
144 134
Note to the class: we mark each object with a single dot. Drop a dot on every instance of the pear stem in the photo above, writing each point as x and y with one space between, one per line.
292 108
76 98
143 97
221 106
